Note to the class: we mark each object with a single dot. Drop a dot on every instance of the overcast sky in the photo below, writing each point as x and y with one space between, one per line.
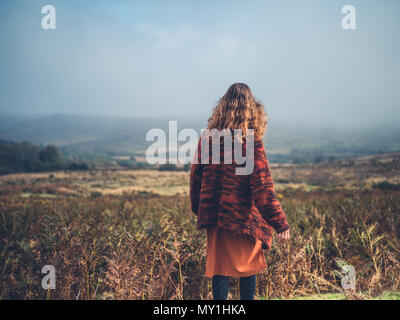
177 58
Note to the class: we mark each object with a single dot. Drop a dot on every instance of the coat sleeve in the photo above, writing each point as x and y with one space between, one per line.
262 190
195 181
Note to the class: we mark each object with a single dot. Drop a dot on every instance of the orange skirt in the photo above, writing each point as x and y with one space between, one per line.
231 254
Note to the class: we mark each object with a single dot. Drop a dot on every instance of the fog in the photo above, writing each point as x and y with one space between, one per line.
177 58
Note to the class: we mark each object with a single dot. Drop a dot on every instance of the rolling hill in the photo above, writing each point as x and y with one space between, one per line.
100 136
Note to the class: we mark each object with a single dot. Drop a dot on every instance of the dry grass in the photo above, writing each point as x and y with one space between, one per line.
106 182
126 243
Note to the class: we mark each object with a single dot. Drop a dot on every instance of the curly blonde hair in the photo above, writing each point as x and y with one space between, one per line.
238 109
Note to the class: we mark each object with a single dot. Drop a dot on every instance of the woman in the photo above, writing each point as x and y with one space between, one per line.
238 211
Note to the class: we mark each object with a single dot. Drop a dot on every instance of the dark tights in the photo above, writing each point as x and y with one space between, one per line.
220 287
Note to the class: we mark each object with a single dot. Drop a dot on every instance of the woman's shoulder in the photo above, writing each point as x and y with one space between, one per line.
258 142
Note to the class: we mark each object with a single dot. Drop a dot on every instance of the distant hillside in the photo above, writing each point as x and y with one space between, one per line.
62 129
8 120
91 137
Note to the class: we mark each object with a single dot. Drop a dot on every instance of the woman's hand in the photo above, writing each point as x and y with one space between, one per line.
284 236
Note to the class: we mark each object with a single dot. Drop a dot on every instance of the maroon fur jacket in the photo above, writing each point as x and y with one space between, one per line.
246 204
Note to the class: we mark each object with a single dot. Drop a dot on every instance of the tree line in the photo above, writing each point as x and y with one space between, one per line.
27 157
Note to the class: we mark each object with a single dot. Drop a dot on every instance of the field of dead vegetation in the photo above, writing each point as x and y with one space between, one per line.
130 234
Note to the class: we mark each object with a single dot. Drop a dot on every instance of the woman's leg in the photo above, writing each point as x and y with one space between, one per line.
220 287
247 287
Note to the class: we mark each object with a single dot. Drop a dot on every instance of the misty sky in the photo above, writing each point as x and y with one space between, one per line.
176 58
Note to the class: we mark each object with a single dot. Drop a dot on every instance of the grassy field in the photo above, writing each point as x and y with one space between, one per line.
131 234
339 296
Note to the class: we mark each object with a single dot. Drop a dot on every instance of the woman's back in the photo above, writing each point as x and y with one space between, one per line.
243 203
